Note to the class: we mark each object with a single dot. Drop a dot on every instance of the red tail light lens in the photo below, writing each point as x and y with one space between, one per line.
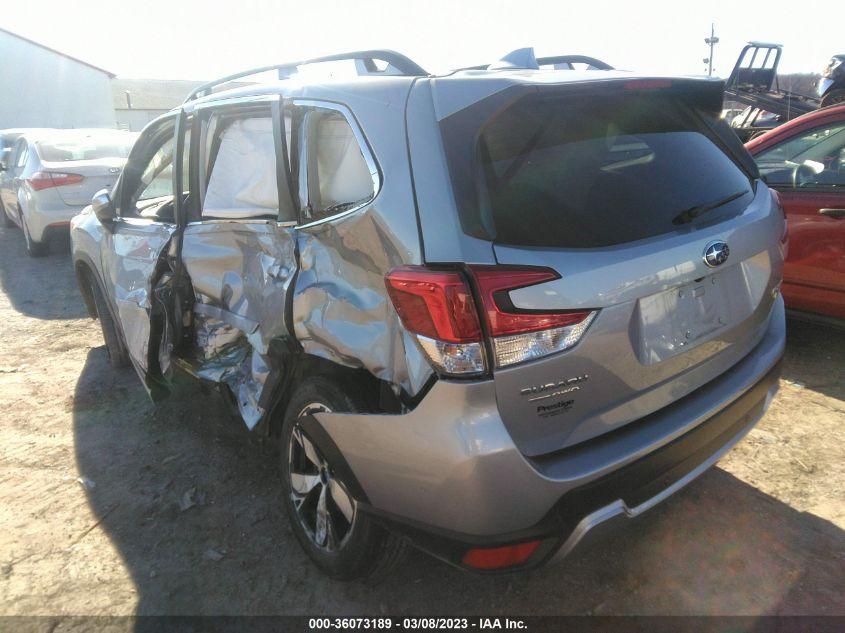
523 335
438 307
436 304
494 284
46 179
500 557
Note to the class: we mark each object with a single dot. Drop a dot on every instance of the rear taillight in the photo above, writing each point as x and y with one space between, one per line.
520 335
46 179
438 307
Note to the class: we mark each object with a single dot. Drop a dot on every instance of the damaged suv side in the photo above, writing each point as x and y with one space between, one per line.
345 261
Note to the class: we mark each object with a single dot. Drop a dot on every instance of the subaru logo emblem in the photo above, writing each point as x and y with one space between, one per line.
716 253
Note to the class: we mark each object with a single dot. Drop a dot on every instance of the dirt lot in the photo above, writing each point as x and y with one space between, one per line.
95 480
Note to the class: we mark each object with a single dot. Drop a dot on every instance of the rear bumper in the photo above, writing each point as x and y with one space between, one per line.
448 475
45 223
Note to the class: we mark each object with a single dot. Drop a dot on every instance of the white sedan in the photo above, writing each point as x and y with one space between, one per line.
50 176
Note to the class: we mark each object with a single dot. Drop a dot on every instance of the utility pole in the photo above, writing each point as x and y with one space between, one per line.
711 41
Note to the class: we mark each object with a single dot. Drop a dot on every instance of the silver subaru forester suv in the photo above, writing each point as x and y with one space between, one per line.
483 312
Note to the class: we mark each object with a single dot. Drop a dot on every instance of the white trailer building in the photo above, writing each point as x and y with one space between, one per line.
41 87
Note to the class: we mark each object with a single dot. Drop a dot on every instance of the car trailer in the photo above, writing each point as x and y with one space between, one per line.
754 83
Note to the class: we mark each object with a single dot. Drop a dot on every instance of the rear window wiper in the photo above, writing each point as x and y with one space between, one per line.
685 217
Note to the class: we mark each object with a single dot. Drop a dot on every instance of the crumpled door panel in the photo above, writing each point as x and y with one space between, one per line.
240 272
131 261
341 310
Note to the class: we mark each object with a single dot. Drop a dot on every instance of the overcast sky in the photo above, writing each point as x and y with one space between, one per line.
188 39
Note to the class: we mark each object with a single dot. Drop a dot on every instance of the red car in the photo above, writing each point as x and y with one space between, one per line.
804 160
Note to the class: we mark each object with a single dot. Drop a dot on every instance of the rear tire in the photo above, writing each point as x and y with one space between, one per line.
8 222
33 248
118 356
834 97
350 543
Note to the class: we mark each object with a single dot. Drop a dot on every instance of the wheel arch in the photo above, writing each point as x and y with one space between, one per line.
86 275
377 394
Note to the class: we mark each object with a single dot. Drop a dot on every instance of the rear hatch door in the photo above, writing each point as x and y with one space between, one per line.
623 193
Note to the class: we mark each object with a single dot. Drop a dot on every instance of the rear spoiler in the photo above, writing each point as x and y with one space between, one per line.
703 94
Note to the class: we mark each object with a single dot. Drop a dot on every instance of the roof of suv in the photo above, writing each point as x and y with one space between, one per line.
453 90
460 87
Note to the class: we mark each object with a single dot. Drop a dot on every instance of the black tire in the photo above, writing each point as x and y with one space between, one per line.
118 356
33 248
834 97
366 549
8 222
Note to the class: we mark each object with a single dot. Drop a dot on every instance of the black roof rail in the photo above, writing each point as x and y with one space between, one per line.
404 65
574 59
557 59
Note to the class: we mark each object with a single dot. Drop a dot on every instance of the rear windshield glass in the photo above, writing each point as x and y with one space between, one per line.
88 148
603 170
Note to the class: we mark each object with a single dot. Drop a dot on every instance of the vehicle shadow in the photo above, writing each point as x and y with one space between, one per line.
39 287
815 357
191 501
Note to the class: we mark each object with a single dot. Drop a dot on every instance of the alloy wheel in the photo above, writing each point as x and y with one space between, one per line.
324 507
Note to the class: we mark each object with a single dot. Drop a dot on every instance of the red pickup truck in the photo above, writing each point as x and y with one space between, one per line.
804 160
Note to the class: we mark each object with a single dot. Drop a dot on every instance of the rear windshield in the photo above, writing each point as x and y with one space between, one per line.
603 170
87 148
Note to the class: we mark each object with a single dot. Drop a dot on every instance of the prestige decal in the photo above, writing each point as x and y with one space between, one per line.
545 411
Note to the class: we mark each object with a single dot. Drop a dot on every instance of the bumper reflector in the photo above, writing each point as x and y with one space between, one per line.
499 557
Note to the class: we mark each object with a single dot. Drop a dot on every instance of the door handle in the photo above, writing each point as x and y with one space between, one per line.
833 213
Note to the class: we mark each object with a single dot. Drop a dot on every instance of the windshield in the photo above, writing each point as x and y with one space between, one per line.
602 170
85 148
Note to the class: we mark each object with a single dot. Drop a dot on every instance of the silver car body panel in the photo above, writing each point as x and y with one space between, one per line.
240 271
451 463
130 257
642 351
618 511
341 311
244 271
468 457
442 237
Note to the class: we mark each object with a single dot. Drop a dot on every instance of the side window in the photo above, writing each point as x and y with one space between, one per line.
339 177
147 189
157 178
22 153
240 168
815 158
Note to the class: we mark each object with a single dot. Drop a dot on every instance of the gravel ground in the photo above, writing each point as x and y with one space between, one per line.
110 505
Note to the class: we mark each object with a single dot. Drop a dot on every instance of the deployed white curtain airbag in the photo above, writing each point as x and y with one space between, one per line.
243 177
343 174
